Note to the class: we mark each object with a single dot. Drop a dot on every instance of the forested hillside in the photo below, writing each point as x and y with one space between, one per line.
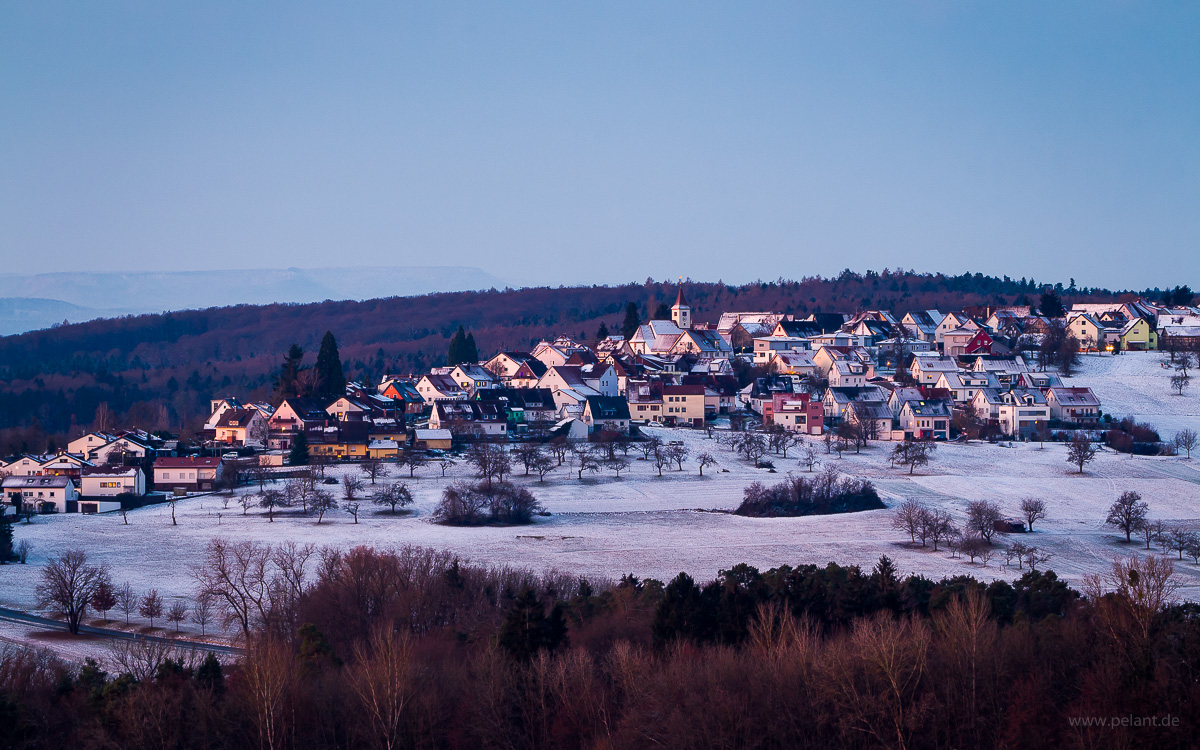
158 371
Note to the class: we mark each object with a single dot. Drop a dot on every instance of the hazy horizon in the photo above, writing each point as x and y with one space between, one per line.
570 144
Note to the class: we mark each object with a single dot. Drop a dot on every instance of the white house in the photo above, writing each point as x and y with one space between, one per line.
45 494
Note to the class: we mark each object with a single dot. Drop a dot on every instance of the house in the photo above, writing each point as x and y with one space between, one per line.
796 364
922 324
952 322
1089 332
384 449
1178 331
1137 335
836 401
796 412
476 418
702 342
27 466
759 395
557 352
963 384
527 410
656 337
120 450
428 440
569 429
64 465
403 392
85 444
191 474
110 481
645 399
800 329
1017 412
925 420
438 387
1073 405
766 346
875 418
341 441
471 377
516 369
738 329
927 370
683 405
607 413
292 417
1006 369
44 494
241 426
846 373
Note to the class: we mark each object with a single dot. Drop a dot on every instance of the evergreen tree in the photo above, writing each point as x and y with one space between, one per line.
458 342
6 539
287 382
526 628
298 456
462 348
662 312
602 332
1051 305
632 320
209 674
331 379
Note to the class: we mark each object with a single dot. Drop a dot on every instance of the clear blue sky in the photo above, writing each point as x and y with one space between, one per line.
601 142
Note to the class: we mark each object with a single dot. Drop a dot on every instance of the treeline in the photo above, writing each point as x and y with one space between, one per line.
412 648
164 368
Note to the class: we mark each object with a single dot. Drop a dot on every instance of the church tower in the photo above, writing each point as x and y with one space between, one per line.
681 314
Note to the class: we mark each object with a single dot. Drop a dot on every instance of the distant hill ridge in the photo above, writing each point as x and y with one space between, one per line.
41 300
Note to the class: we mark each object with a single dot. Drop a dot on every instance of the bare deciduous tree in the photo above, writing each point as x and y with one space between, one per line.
982 516
151 606
1128 513
392 496
1185 441
1080 450
374 468
382 677
1033 509
177 613
908 517
67 584
705 459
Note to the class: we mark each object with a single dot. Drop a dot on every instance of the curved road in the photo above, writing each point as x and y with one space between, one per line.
25 618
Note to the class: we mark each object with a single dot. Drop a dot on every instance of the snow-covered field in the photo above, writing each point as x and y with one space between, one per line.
651 526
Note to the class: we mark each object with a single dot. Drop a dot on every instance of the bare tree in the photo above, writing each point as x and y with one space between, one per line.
127 600
374 468
649 446
559 447
235 576
1033 509
1128 513
446 464
322 503
67 584
585 460
351 486
1185 441
1180 538
678 454
617 464
939 527
23 549
177 613
202 612
1035 556
1152 531
908 517
1143 585
392 495
1179 384
272 499
705 459
413 460
982 517
527 454
543 464
809 457
1080 450
352 507
383 678
913 453
151 606
972 545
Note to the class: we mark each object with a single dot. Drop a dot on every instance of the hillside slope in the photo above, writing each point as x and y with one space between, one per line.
53 380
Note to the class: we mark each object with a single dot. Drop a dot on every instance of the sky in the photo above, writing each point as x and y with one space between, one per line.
579 143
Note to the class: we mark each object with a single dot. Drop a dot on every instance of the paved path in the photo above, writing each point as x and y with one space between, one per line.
18 616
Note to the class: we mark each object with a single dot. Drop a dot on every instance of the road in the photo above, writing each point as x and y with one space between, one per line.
25 618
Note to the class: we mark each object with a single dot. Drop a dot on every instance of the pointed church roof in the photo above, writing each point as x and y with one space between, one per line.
679 301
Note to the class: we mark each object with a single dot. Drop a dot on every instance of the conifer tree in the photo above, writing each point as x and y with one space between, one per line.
632 320
298 456
287 382
332 381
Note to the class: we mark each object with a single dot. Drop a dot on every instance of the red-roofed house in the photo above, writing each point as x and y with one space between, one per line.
191 474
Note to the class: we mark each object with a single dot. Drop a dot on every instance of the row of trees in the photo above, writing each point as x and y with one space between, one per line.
410 647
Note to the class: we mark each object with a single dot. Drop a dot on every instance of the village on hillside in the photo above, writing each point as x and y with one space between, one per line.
845 379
